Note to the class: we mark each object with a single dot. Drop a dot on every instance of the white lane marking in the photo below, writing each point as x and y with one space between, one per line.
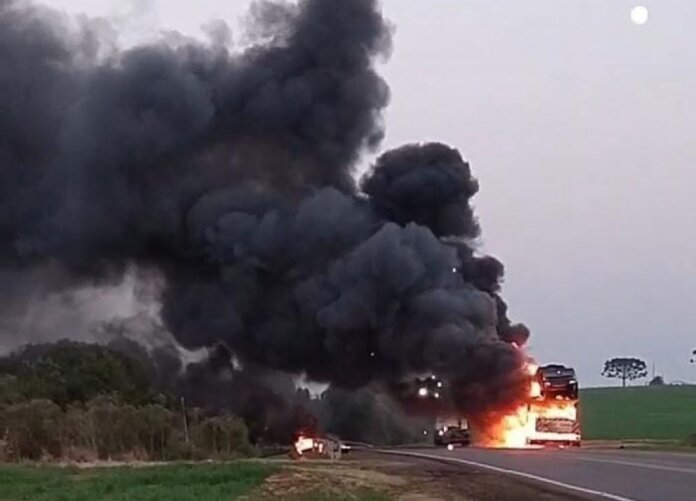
638 465
536 478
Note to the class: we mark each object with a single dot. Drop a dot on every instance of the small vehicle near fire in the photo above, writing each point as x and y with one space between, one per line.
309 444
558 381
452 431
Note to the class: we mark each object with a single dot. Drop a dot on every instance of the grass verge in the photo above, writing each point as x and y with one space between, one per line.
167 483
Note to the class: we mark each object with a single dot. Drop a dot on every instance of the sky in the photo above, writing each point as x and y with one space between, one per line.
579 126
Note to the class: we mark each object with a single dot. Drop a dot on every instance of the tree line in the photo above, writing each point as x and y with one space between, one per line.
105 428
76 401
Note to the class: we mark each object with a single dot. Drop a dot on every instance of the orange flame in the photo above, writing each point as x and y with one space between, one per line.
505 431
535 389
303 444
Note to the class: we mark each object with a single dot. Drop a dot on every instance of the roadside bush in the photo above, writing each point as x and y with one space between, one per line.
690 440
78 434
104 428
115 429
156 426
222 436
9 390
33 430
177 449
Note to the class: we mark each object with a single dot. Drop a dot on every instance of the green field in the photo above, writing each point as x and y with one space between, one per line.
175 483
654 413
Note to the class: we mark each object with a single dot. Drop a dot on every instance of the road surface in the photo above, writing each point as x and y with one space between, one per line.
621 475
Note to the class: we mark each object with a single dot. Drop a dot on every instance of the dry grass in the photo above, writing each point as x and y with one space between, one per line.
336 481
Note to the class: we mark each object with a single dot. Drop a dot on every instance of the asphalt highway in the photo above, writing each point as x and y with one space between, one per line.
621 475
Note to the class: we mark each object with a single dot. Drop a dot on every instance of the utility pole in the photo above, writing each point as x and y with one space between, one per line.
185 419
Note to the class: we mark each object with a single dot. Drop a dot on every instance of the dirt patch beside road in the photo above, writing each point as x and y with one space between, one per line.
372 477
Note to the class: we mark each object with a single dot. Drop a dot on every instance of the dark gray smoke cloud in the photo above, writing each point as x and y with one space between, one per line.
231 173
432 185
427 184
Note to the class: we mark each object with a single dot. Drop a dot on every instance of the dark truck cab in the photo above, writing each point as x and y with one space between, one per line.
558 381
452 431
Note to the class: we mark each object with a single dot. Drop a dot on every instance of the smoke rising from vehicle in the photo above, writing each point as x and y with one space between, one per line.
230 174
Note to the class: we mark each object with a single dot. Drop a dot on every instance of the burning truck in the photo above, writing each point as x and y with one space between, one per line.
549 416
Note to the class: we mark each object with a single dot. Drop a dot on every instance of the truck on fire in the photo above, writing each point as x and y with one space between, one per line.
552 414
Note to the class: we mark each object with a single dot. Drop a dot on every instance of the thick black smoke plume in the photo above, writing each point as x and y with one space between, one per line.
231 174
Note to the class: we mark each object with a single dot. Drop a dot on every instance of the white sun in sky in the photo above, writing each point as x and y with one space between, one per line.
640 15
